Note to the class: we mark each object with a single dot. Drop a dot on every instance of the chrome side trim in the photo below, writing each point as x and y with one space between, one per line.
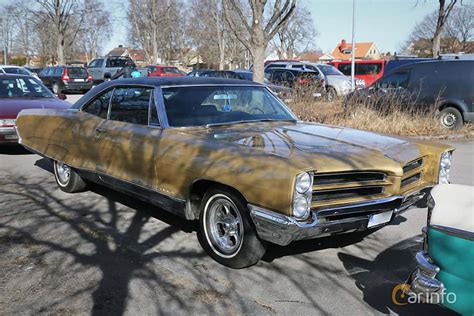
454 232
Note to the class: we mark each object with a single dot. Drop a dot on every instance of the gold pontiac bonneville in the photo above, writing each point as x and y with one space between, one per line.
231 154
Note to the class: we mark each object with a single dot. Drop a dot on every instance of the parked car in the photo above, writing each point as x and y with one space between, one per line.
17 70
230 154
445 270
102 69
446 84
367 70
303 81
164 71
18 92
337 84
66 79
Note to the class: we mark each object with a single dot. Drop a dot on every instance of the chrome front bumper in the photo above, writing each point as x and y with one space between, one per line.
282 229
8 134
423 283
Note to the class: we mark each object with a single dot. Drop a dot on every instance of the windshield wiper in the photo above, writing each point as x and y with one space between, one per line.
248 121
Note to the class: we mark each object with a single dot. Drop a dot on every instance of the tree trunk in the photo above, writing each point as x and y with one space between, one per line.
436 49
258 56
60 49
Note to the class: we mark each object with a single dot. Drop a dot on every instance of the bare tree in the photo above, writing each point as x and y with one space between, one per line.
61 13
457 33
443 13
254 31
157 27
96 28
296 35
460 26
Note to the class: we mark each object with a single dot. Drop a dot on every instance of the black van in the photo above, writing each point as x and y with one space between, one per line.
447 84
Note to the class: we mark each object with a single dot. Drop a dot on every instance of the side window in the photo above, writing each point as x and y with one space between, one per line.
368 69
130 105
345 69
58 71
298 66
393 81
153 113
277 77
96 63
100 105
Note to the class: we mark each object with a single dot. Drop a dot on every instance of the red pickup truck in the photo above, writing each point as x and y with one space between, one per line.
368 70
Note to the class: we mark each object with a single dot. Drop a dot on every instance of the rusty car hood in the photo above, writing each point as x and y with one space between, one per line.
310 142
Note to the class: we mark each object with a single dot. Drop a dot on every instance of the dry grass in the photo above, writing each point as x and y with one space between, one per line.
390 120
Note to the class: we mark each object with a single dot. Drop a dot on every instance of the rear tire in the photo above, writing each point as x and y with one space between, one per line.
451 118
227 232
67 178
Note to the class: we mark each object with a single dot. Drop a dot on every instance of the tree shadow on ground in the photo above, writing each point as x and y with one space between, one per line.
122 250
377 278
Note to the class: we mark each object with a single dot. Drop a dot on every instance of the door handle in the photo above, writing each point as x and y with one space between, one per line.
99 131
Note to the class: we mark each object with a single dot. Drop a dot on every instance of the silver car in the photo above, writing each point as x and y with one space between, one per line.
337 84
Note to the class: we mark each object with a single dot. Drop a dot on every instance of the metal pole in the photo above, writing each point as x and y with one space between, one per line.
353 48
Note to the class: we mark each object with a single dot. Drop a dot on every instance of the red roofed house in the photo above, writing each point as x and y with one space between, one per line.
364 50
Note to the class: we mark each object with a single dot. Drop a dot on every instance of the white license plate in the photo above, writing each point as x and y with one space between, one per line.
378 219
78 80
11 136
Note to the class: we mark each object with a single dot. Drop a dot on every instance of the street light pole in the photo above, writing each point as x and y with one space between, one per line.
353 48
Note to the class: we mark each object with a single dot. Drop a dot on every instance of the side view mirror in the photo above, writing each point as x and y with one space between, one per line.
62 96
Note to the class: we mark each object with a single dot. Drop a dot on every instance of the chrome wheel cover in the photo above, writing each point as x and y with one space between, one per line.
223 226
63 173
448 119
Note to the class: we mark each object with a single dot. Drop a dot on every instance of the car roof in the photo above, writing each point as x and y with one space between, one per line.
289 69
16 75
10 66
179 81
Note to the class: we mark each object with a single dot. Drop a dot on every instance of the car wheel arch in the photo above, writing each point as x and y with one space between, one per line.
455 105
196 193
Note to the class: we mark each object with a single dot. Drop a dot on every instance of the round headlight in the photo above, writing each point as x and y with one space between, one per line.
300 207
303 182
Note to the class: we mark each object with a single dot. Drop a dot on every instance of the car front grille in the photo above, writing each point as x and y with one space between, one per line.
348 185
412 173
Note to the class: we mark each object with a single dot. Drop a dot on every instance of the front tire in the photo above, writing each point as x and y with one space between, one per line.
451 118
67 178
226 230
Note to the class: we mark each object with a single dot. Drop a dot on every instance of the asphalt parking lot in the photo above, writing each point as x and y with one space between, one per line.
102 252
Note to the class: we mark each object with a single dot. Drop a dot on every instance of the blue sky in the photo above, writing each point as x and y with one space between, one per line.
386 22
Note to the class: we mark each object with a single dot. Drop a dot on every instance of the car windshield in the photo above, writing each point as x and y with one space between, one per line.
76 71
23 88
170 70
222 105
17 70
330 70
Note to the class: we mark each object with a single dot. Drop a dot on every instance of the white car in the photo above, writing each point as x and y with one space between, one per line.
17 70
